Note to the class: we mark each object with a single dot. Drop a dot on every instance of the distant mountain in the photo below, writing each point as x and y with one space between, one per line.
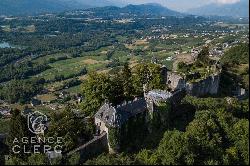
150 9
240 9
139 10
100 7
30 7
99 3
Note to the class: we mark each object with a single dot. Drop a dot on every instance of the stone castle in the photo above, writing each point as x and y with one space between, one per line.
110 116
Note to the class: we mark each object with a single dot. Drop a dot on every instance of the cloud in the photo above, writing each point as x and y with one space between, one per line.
227 1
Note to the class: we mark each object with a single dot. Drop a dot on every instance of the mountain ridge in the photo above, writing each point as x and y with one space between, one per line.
141 10
27 7
238 9
33 7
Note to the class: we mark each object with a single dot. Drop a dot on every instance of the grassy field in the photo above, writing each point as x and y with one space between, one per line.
97 60
73 66
46 97
74 89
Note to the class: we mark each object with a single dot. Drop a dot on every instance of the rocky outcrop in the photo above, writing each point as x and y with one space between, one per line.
208 86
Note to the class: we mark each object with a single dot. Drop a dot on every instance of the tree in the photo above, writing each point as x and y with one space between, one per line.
100 87
235 69
70 127
108 159
38 159
15 161
74 159
147 74
21 90
95 90
126 77
240 136
174 149
183 67
146 157
236 55
206 136
19 129
203 58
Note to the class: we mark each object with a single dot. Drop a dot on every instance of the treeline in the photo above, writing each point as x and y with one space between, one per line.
20 90
10 54
21 70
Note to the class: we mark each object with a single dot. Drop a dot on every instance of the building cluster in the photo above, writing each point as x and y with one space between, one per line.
5 110
61 96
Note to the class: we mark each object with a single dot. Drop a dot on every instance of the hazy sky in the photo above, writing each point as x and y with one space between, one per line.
180 5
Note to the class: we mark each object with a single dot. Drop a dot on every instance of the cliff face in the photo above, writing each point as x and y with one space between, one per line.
210 85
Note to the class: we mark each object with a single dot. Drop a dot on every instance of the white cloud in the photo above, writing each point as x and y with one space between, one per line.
227 1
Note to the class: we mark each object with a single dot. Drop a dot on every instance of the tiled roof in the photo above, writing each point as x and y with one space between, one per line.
116 116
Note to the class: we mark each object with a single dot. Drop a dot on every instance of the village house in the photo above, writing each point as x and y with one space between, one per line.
63 94
5 112
54 106
35 102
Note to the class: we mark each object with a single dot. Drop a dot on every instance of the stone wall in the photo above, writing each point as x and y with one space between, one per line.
92 149
175 81
208 86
